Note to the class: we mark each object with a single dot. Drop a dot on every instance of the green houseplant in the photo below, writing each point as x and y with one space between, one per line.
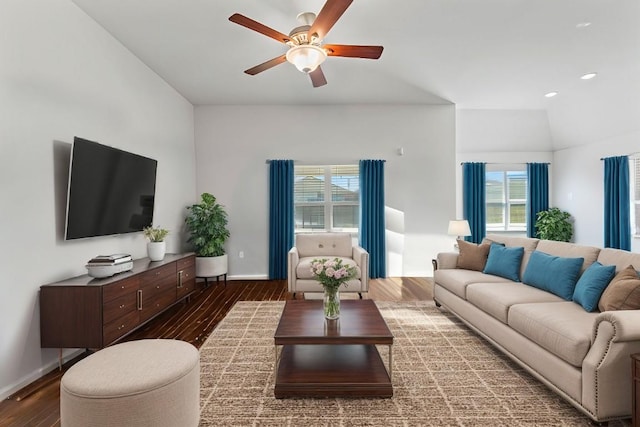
554 224
207 226
156 248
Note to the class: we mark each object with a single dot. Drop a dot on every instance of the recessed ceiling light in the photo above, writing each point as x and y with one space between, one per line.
550 94
589 76
583 24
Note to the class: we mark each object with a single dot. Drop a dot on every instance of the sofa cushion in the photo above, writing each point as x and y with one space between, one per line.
591 285
303 269
457 280
324 245
623 293
563 328
570 250
472 256
553 273
496 298
504 262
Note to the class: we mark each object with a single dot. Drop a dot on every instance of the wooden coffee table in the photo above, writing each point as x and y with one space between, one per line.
326 358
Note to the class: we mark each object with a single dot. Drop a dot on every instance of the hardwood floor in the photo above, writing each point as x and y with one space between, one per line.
38 404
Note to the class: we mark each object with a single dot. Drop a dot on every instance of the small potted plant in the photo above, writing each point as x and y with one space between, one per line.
207 226
554 224
157 247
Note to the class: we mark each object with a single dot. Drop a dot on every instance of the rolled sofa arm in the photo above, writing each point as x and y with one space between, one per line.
606 383
361 257
626 325
446 260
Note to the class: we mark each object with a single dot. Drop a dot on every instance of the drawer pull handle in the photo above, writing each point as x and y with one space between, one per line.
180 279
122 287
121 327
122 306
139 302
157 286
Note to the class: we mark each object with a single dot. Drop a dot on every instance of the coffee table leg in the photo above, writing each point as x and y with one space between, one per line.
390 363
275 367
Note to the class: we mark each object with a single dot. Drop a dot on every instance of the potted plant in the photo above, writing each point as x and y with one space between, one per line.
554 224
156 248
207 226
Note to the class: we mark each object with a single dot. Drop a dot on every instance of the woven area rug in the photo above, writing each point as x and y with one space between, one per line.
443 375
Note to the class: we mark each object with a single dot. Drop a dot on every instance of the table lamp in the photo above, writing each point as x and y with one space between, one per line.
459 228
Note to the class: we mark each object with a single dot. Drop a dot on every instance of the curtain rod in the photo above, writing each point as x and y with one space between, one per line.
507 163
318 164
635 155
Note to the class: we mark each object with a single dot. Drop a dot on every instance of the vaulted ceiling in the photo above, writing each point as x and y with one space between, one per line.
477 54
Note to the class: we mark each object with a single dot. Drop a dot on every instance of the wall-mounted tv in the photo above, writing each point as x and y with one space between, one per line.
111 191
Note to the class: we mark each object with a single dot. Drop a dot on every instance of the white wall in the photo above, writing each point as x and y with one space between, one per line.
234 142
579 184
62 75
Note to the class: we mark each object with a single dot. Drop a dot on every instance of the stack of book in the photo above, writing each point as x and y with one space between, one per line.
108 265
109 259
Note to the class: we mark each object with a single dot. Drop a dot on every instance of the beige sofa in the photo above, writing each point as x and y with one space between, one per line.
583 356
310 246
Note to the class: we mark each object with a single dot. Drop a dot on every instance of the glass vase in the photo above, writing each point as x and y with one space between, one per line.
331 303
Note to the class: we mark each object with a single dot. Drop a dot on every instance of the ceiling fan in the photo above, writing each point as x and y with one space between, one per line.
306 50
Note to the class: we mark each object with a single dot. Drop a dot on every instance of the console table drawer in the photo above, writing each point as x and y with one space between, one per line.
119 307
120 327
118 289
157 303
186 281
158 273
186 262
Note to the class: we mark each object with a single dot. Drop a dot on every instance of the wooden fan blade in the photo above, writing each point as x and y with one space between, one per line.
260 28
353 51
317 77
266 65
330 13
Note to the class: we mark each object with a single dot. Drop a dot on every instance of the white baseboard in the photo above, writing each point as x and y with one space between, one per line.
36 375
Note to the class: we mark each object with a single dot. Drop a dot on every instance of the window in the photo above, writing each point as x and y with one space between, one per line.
326 198
634 166
506 198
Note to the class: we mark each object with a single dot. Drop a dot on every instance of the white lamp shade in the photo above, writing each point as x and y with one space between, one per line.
459 227
306 57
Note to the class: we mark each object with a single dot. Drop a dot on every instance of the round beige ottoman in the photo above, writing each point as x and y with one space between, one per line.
138 383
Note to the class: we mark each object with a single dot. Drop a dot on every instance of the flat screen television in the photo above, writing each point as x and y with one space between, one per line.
110 191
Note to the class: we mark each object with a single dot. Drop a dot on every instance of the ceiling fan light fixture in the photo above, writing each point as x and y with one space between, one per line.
306 57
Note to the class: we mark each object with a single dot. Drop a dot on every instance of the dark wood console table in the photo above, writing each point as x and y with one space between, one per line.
84 312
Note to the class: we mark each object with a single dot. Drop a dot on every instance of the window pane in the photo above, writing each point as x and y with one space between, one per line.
495 213
517 185
345 184
309 217
494 187
517 214
345 216
309 184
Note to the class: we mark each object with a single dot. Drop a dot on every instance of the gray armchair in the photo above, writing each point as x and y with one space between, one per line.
310 246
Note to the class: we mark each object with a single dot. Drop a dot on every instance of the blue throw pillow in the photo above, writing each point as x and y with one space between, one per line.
554 274
504 262
591 285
